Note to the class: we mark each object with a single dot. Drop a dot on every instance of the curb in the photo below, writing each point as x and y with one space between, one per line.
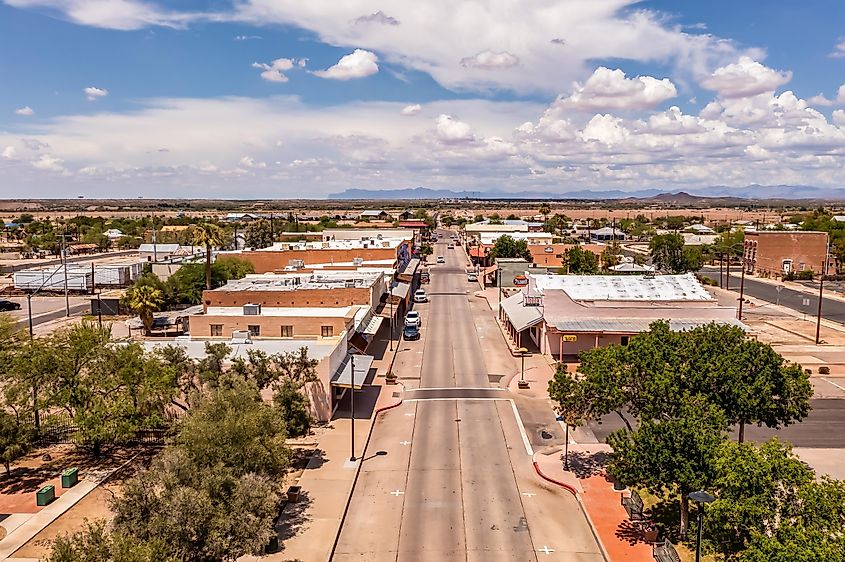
358 469
567 487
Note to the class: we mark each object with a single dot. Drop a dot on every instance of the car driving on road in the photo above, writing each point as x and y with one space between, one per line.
472 276
441 259
6 306
420 296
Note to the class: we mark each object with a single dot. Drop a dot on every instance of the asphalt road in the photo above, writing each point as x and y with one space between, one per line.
457 486
823 428
831 309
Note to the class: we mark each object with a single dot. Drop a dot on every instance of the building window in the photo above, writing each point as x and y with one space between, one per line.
624 340
287 331
216 330
254 330
326 331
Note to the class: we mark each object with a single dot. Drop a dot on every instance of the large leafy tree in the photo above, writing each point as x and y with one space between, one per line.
578 261
200 513
669 254
507 247
675 454
208 235
258 234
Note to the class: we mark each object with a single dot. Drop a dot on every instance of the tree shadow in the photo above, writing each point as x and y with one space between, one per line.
630 532
666 515
292 519
584 465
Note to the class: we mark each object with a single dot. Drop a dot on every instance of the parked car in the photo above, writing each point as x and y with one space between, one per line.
441 259
413 319
420 296
411 333
472 276
451 246
9 305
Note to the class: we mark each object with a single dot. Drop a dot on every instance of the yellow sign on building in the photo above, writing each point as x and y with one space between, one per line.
570 337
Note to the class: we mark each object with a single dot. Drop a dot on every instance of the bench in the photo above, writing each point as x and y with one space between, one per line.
665 552
633 504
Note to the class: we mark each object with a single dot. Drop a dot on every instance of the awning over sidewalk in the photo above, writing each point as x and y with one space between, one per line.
343 377
635 325
408 271
400 290
520 316
372 327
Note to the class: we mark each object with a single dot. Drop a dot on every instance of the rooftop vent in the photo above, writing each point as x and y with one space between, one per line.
252 309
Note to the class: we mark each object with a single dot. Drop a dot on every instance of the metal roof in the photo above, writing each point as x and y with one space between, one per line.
635 325
344 378
400 290
625 287
520 316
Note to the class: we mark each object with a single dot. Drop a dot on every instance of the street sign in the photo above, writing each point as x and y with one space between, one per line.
569 337
805 302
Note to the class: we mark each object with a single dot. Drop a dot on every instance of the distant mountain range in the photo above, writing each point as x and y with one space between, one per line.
750 192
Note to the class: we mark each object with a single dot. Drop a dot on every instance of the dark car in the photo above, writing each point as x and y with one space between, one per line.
411 332
9 305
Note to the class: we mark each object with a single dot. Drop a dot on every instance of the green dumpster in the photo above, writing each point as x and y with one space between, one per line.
70 477
45 495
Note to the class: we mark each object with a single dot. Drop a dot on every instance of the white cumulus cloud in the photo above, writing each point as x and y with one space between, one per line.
410 110
840 95
25 111
490 60
745 78
274 72
9 152
838 49
452 130
378 17
358 64
611 89
92 93
49 163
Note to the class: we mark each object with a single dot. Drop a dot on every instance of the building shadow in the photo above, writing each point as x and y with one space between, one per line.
365 403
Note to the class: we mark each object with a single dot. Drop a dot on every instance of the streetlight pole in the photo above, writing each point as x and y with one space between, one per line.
701 497
821 290
742 288
566 448
352 406
390 300
64 267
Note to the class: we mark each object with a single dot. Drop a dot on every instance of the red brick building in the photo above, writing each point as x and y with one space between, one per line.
775 253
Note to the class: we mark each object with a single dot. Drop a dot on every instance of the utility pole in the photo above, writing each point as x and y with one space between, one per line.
352 405
821 290
64 264
742 288
155 247
390 300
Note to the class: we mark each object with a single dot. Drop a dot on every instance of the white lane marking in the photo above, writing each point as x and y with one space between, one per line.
520 426
406 443
545 550
840 387
397 493
524 435
409 414
528 494
456 388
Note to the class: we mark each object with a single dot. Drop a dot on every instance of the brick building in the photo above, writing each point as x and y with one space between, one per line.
775 253
283 256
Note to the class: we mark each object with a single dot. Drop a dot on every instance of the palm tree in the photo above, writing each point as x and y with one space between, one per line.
144 300
545 209
208 235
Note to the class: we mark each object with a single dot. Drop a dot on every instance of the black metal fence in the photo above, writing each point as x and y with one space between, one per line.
57 429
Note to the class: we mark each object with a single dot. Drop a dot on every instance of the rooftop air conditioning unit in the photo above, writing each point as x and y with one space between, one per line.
357 261
296 263
252 309
349 284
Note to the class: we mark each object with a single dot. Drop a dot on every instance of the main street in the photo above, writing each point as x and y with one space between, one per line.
455 479
832 309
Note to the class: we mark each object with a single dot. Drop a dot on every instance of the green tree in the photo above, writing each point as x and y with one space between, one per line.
95 544
610 257
669 254
294 408
145 300
258 234
545 210
578 261
200 513
674 455
506 247
210 236
233 427
16 439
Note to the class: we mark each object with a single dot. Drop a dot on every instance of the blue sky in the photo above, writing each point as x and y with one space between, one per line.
531 94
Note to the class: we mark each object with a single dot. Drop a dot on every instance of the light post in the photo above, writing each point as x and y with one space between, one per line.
390 300
742 287
352 405
700 497
821 289
522 382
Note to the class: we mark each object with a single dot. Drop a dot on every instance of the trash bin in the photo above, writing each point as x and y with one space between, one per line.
293 493
70 477
45 495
